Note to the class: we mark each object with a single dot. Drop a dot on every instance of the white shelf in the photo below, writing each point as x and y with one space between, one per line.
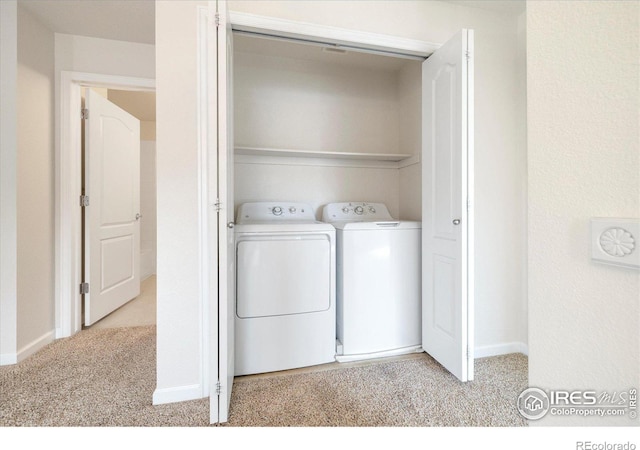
317 157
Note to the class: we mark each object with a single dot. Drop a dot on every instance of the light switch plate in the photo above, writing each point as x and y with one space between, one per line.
616 241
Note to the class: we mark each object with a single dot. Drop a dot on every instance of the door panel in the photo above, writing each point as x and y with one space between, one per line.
447 220
112 228
222 170
283 277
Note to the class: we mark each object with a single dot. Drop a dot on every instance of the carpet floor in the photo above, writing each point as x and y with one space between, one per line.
106 378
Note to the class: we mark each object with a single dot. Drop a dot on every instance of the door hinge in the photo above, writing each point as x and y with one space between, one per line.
84 200
218 205
84 288
218 388
217 19
84 113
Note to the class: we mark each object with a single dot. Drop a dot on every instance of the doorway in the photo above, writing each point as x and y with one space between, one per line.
69 267
141 309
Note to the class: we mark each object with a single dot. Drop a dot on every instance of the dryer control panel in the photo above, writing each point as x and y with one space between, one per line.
275 212
355 212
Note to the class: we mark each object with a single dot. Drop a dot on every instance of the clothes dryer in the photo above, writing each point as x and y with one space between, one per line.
285 314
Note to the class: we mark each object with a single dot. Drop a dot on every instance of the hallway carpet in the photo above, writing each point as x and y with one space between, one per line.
107 378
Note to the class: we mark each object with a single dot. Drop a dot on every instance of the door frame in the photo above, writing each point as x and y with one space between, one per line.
68 175
366 41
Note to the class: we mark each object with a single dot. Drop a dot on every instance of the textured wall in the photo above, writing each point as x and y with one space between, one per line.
584 161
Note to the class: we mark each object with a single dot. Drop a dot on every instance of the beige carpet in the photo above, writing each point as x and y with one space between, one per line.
107 378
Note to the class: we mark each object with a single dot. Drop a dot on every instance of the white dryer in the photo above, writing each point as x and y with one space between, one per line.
379 311
285 314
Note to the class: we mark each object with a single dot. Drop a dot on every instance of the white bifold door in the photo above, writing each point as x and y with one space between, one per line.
112 216
447 218
221 201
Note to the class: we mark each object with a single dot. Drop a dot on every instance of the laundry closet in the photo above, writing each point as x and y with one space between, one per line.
317 124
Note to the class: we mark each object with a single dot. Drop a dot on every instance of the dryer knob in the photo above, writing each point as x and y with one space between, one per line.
277 211
372 209
358 210
345 210
292 210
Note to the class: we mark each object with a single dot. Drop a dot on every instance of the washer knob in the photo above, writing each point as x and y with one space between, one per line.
276 210
292 210
345 210
358 210
372 209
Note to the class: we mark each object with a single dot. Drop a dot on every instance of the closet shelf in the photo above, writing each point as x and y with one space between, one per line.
252 151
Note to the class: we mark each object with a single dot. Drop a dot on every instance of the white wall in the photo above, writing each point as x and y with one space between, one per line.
300 104
35 177
410 94
181 337
584 161
8 183
148 222
104 56
317 185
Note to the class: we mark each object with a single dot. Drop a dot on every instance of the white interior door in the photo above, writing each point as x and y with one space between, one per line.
447 184
112 225
225 211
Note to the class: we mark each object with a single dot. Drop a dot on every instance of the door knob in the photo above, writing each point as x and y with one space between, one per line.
456 221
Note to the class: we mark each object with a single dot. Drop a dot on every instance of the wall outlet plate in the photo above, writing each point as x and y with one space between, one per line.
616 241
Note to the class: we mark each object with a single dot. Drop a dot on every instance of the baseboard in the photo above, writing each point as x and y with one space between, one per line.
501 349
177 394
36 345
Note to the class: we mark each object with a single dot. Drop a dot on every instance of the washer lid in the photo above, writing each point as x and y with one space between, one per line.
381 225
356 212
275 212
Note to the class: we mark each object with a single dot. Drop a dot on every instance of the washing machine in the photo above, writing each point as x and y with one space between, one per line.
379 308
285 312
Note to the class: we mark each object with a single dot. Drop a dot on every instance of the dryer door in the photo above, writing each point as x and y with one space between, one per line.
283 275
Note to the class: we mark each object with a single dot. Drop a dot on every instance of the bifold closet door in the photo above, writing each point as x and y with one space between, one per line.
447 218
221 211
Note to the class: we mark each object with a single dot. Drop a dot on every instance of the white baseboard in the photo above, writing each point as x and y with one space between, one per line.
501 349
36 345
28 350
177 394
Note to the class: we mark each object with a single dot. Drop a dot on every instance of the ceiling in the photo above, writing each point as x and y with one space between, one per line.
134 20
139 104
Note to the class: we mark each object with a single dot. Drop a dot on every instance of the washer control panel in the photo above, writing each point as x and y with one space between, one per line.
355 211
274 211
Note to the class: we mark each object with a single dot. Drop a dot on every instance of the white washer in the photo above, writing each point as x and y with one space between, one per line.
379 311
285 288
